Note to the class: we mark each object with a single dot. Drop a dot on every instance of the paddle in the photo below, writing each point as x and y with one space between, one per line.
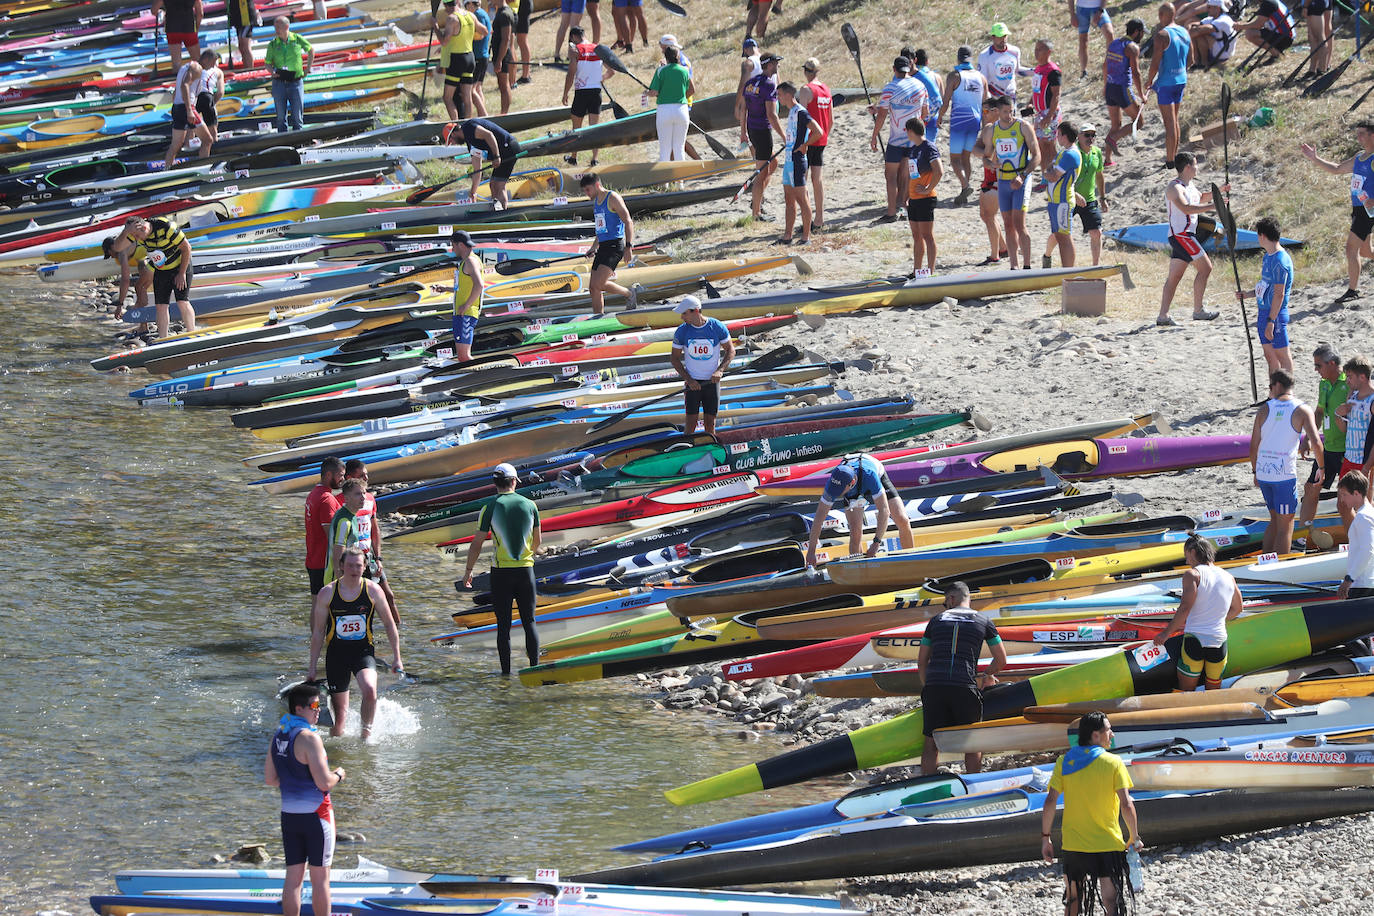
429 56
1360 101
1226 129
1229 221
851 39
612 60
773 359
1292 77
426 193
1327 79
521 265
673 8
617 109
1253 61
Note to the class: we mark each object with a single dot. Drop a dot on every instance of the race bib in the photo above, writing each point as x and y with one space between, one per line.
1356 183
1037 80
1005 69
700 349
600 222
351 627
1006 147
1147 657
157 257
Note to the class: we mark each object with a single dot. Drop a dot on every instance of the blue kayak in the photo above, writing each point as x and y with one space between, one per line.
1155 236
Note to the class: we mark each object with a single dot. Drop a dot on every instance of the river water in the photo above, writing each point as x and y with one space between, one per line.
156 602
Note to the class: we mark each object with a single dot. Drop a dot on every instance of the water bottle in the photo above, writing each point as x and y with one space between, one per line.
1135 872
1368 204
644 100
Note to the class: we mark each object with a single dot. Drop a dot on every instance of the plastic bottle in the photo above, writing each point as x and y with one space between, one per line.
1135 870
1368 204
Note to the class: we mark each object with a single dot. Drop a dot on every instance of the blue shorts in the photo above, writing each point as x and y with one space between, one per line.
1120 96
894 153
1008 199
1170 95
1061 218
933 130
464 329
1085 19
621 4
1280 496
794 170
573 6
308 838
1280 338
962 136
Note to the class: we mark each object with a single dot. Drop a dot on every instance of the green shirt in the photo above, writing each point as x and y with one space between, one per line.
1086 185
511 520
1331 395
289 54
670 82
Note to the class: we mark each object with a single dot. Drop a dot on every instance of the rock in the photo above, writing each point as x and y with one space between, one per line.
253 853
745 735
794 682
673 683
350 838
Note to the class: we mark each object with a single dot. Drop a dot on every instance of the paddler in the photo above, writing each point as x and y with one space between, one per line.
356 469
855 482
1271 296
467 295
952 694
1009 149
585 75
702 351
1332 392
486 138
186 119
1096 788
169 255
298 764
346 610
460 32
1210 600
1353 495
182 25
1184 203
320 507
243 18
1360 167
512 522
614 239
1275 439
126 253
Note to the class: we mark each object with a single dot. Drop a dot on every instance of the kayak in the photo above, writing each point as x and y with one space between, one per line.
1155 236
1298 766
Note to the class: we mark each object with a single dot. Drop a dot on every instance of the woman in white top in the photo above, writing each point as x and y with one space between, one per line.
185 119
209 90
1210 600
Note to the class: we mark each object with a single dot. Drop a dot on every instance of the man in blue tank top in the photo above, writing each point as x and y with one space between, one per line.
297 764
1169 76
1360 168
614 238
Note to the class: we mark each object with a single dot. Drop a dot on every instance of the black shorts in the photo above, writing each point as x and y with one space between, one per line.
1317 7
502 172
609 254
1361 223
705 400
921 209
815 156
479 68
586 102
522 18
165 287
1091 215
181 117
1331 465
761 139
1275 40
948 705
316 579
460 66
340 664
1081 865
308 838
205 104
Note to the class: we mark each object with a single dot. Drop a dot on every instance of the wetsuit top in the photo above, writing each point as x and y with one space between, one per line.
1045 77
1331 395
461 41
1173 63
1276 279
510 519
1118 65
1181 223
462 288
350 619
795 130
1361 178
966 105
299 794
609 225
588 67
760 92
903 98
821 110
1069 162
163 244
1000 68
1357 427
956 638
1010 147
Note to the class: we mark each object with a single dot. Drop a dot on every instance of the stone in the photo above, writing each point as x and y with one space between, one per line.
253 853
673 683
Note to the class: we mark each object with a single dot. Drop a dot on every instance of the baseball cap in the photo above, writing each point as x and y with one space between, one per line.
669 41
1087 129
769 58
841 479
811 64
505 470
460 236
964 54
1220 4
687 304
998 30
750 43
902 64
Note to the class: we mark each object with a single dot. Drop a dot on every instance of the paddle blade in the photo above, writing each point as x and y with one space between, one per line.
851 39
803 269
1228 221
611 59
1325 81
1225 102
517 266
673 8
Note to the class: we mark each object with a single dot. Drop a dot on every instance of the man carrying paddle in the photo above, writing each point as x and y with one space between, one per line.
345 613
1184 203
614 238
298 764
467 295
952 694
512 521
1096 788
1211 599
702 351
1279 426
855 482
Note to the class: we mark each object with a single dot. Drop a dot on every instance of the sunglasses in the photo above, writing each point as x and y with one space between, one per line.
315 704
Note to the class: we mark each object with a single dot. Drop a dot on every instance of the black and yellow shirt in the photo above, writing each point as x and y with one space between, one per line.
163 244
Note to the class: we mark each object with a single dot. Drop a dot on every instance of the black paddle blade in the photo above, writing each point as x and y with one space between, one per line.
1228 220
1326 80
1225 101
851 39
673 8
518 266
611 59
1360 101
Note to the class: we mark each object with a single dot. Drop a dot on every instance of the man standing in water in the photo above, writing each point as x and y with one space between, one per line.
512 521
356 469
169 254
320 507
345 613
298 765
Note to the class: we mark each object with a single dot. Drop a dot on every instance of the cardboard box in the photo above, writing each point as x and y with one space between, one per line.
1087 298
1213 133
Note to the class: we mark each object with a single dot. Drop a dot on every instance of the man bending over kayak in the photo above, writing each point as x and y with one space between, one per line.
855 482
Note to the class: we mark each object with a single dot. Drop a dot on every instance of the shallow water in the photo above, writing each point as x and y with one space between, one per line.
157 604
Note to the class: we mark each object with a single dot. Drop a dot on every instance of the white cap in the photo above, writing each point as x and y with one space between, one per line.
1220 4
687 304
1087 128
506 471
669 41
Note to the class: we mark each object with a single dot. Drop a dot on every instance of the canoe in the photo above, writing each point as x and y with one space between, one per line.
1328 766
550 182
1255 642
1155 237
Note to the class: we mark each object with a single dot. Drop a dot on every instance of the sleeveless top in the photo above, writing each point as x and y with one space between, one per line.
966 99
1281 20
1010 147
1173 65
1118 67
588 72
1361 178
608 224
461 43
758 67
1040 85
350 619
1207 619
299 794
462 288
1181 223
1278 445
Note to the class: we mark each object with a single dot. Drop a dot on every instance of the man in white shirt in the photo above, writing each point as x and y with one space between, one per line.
1352 494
